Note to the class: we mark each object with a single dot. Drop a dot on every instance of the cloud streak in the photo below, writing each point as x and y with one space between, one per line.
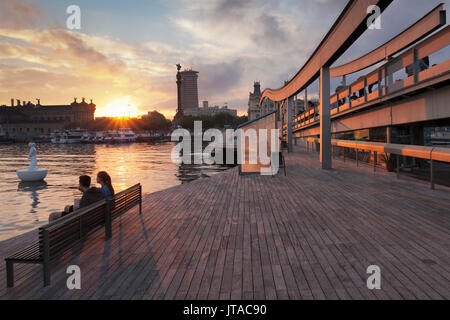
230 42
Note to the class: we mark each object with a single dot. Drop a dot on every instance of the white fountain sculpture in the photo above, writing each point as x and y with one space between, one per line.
32 173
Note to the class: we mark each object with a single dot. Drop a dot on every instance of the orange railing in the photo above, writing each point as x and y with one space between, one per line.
373 85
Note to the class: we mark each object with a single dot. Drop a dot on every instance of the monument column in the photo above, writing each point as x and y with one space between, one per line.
179 113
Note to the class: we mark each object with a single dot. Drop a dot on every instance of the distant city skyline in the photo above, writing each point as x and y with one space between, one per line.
124 56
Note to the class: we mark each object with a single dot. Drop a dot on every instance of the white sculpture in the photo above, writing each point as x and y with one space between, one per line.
32 156
32 173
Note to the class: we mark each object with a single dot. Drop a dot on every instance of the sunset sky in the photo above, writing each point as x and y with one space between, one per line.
126 51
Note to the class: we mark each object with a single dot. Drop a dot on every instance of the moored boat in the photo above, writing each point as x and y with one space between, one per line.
125 135
68 136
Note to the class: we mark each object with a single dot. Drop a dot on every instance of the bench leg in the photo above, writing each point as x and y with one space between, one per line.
140 200
46 267
9 274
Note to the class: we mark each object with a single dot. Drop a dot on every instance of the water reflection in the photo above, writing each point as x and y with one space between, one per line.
189 172
24 206
32 188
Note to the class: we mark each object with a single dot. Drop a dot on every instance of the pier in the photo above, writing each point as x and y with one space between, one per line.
308 235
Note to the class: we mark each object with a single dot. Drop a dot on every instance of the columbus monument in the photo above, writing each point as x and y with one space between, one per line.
187 91
179 113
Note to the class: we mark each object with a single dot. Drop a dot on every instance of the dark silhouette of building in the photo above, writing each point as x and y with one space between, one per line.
187 91
31 120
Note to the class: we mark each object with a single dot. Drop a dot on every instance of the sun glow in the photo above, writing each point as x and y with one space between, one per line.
121 108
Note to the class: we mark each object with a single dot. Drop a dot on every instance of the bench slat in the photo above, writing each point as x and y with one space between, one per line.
30 253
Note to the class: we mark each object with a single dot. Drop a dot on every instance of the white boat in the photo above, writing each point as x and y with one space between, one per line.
98 137
86 137
110 136
56 137
125 135
68 136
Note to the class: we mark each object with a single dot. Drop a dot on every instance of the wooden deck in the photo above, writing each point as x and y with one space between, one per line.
310 235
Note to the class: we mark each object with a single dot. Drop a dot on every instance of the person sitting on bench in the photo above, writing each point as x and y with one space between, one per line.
90 195
104 180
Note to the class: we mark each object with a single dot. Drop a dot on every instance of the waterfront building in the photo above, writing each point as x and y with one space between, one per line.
28 120
188 97
189 89
206 110
254 110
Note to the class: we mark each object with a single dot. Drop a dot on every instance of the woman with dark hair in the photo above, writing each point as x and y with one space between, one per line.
104 179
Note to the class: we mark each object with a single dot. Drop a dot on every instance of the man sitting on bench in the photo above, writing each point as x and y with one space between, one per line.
90 195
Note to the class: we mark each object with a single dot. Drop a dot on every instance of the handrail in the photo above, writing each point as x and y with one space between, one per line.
254 120
432 21
422 152
349 26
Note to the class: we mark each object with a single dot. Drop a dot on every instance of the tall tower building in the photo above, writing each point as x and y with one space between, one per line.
253 102
189 90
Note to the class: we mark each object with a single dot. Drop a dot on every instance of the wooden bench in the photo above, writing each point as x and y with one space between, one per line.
59 236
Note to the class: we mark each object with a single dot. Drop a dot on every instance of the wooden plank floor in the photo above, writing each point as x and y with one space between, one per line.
310 235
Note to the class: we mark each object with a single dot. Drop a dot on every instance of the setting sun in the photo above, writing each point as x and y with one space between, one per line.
121 108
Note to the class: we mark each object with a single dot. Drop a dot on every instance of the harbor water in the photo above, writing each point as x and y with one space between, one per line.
26 206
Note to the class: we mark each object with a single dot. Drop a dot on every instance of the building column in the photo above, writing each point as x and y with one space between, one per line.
305 103
389 78
325 122
289 102
295 105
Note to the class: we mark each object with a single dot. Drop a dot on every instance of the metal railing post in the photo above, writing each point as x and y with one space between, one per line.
398 166
140 199
375 155
357 158
431 174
